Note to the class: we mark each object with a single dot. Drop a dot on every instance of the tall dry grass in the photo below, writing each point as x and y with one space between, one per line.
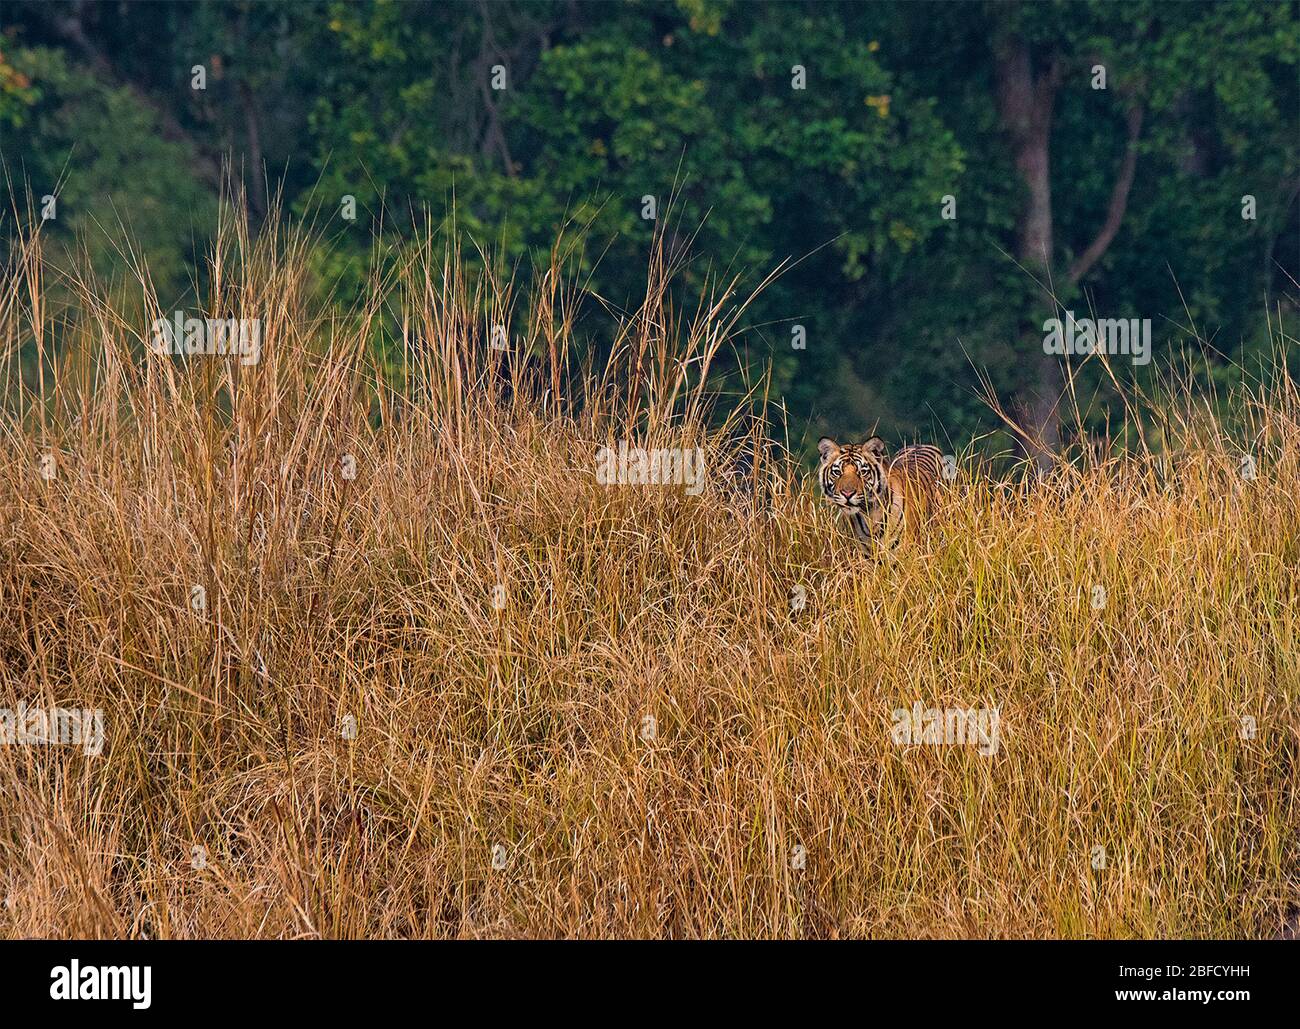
648 728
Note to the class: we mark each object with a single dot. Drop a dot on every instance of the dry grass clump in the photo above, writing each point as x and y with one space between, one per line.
639 733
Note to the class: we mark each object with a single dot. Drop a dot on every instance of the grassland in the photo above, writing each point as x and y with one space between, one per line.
471 692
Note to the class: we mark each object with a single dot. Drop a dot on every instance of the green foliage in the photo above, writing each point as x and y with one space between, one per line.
693 103
1219 87
98 150
17 93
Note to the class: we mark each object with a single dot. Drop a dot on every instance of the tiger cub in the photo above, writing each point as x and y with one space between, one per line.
874 492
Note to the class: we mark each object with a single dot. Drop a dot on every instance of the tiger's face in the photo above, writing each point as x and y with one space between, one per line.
852 476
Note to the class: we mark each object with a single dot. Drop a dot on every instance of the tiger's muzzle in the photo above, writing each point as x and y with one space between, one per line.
848 490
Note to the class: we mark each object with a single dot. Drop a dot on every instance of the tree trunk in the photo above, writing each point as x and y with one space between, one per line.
253 128
1025 102
1026 97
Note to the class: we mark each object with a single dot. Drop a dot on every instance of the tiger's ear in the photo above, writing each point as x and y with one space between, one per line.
827 447
875 446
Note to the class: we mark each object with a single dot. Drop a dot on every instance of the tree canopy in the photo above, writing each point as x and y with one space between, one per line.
924 168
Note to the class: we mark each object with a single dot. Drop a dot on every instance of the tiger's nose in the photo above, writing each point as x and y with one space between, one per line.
847 491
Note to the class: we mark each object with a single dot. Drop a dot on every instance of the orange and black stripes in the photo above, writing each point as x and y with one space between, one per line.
874 491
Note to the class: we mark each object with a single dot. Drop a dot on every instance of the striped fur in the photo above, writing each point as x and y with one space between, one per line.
875 492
